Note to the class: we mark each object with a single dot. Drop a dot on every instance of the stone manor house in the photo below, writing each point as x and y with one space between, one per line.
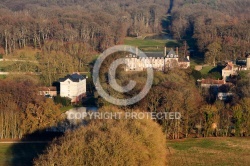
156 60
73 86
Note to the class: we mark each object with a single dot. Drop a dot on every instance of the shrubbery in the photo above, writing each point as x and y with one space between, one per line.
64 101
109 142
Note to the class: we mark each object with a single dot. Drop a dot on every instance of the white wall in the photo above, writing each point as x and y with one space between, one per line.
248 63
72 89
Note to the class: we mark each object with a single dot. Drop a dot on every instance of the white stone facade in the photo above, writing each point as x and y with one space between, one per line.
73 86
139 63
157 61
228 71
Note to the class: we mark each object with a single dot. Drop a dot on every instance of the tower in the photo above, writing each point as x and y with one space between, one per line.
248 62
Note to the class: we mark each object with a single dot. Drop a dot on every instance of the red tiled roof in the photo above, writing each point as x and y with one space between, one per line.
212 81
52 88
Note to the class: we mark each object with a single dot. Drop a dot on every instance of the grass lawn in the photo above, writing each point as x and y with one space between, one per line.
193 63
200 151
209 151
144 42
5 64
2 77
150 44
8 66
64 109
27 53
206 69
19 154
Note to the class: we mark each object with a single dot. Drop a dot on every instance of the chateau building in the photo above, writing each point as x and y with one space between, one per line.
73 86
156 60
228 71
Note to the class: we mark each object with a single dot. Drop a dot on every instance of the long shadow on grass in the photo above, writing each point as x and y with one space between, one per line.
31 146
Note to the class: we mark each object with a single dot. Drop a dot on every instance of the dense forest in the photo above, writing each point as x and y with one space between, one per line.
219 29
100 24
60 32
22 111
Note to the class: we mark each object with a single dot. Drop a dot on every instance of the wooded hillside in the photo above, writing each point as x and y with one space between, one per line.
220 29
98 23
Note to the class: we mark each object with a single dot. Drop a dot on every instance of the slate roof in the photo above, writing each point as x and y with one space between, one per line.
241 62
73 77
161 54
155 54
172 54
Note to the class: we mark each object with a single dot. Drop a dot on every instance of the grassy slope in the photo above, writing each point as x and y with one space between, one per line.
209 151
2 77
19 154
64 109
206 69
144 42
205 151
150 44
27 53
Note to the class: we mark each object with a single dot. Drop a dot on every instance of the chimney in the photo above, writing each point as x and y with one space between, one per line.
177 51
230 63
165 51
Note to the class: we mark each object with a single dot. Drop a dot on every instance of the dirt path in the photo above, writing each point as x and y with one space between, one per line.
19 73
18 60
23 142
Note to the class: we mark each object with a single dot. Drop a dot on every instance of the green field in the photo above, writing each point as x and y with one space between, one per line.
4 65
17 66
209 152
19 154
150 44
2 77
64 109
199 151
205 70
